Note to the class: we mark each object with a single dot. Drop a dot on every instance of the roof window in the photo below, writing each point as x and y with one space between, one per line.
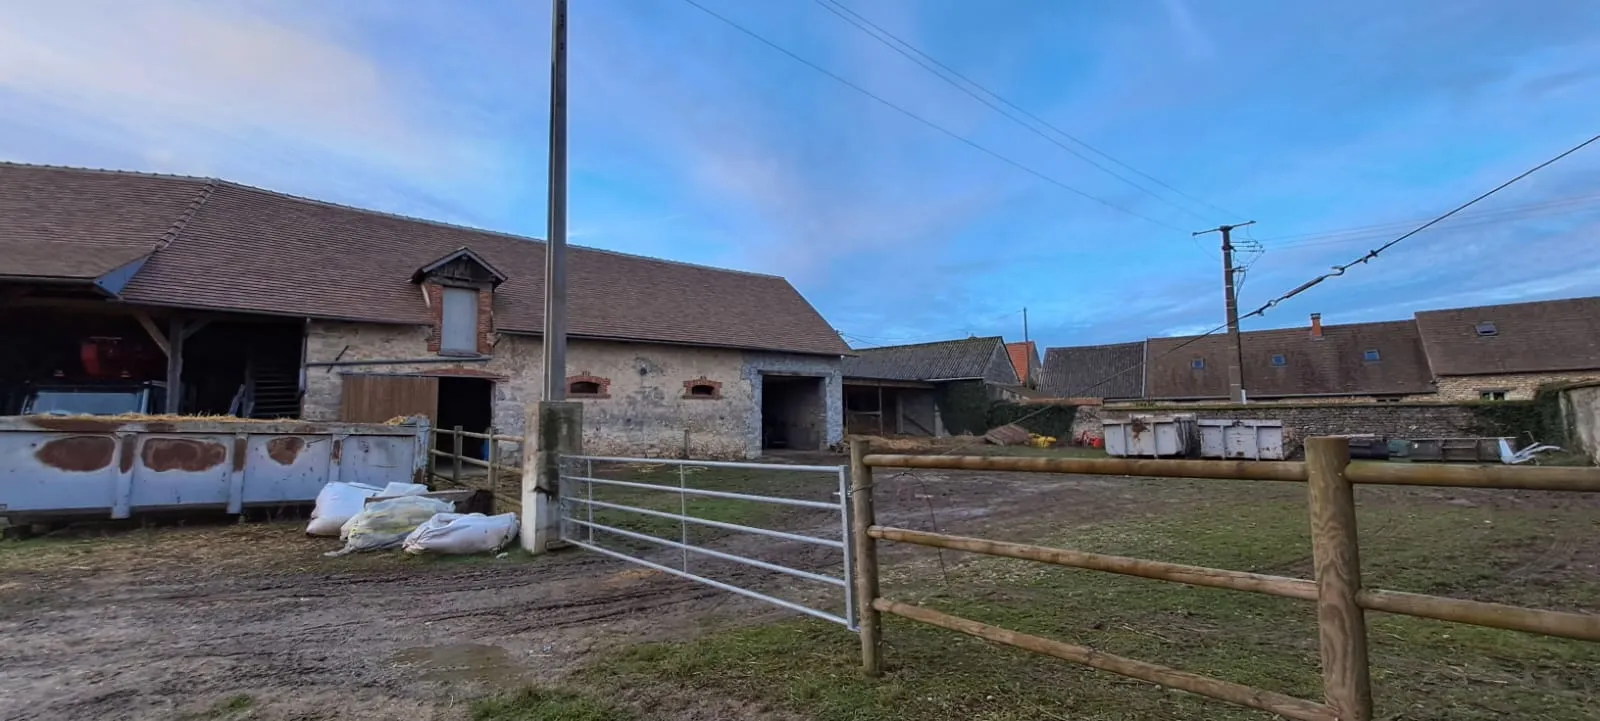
1280 360
1371 355
1486 329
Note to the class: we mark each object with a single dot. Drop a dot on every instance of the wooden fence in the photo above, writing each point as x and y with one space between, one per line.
492 468
1341 600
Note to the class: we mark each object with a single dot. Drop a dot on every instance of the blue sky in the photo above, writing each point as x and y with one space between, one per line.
692 141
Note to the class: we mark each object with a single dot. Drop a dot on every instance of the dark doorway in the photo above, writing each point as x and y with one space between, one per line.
465 402
793 412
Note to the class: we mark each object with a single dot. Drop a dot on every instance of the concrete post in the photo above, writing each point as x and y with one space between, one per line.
553 428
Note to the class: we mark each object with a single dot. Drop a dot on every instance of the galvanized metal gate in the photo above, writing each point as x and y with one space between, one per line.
579 528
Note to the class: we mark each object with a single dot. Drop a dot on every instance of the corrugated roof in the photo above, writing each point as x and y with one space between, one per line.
247 249
942 360
1095 371
1537 337
1334 365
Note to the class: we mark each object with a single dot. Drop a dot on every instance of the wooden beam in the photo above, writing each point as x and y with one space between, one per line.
1521 478
175 366
1581 626
155 333
1341 623
194 326
1286 706
866 559
1193 575
1173 468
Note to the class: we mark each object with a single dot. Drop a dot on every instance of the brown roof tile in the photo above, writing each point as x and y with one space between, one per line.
1095 371
1334 365
247 249
1538 337
69 224
969 358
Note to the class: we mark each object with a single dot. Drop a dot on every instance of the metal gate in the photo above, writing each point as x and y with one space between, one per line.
579 528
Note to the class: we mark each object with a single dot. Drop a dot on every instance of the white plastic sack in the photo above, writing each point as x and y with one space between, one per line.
404 489
386 524
336 503
462 533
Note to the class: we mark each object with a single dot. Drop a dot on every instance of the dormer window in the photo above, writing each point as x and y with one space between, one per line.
459 290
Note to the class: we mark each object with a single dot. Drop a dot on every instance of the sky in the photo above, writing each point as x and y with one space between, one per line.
924 214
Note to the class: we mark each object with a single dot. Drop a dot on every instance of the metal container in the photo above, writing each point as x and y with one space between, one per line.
1151 436
53 466
1249 439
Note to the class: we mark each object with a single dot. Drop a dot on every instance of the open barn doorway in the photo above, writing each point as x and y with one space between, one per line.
793 413
466 402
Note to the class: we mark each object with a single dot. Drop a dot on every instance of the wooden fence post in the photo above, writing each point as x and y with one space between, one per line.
455 473
866 558
1341 623
432 467
494 459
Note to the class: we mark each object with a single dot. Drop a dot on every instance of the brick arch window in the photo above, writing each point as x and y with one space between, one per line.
584 385
702 388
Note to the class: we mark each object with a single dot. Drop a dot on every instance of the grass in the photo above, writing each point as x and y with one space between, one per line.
1421 669
534 704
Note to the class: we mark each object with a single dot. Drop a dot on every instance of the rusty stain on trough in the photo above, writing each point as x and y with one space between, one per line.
78 453
182 454
338 450
285 449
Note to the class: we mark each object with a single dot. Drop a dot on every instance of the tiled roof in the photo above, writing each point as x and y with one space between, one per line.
59 224
1543 336
1095 371
247 249
943 360
1334 365
1024 358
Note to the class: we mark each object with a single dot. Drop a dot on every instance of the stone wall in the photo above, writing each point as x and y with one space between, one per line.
1517 386
646 408
1581 408
1394 420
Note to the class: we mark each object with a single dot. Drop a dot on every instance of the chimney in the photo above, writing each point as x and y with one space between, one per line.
1316 326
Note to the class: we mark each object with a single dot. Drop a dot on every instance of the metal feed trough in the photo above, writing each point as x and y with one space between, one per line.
58 466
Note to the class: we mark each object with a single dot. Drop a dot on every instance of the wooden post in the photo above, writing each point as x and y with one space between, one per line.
175 367
432 468
866 558
494 460
455 473
1341 623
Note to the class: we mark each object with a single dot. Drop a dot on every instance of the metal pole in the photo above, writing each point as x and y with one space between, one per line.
555 260
455 471
683 510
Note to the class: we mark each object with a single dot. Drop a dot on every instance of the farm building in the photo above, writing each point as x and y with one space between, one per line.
928 389
126 291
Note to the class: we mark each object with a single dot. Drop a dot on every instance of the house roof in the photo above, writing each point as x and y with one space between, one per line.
1334 365
225 246
1538 337
1024 358
943 360
78 226
1095 371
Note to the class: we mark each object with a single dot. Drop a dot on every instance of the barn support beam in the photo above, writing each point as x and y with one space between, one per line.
175 341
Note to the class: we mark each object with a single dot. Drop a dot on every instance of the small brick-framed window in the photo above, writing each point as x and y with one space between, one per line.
702 388
584 385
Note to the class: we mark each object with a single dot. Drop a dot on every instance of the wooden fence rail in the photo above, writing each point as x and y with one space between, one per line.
495 443
1337 591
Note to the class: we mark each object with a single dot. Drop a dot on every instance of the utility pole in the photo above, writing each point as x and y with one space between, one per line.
1235 353
555 249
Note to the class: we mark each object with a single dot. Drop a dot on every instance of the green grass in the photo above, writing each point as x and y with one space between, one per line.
533 704
1421 669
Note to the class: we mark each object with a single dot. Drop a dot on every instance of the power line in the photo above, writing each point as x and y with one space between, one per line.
903 111
934 66
1465 220
1339 270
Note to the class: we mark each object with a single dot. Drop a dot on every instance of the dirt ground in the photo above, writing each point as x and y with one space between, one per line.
173 622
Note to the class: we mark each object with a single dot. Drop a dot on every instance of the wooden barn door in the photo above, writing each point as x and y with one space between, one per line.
377 398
